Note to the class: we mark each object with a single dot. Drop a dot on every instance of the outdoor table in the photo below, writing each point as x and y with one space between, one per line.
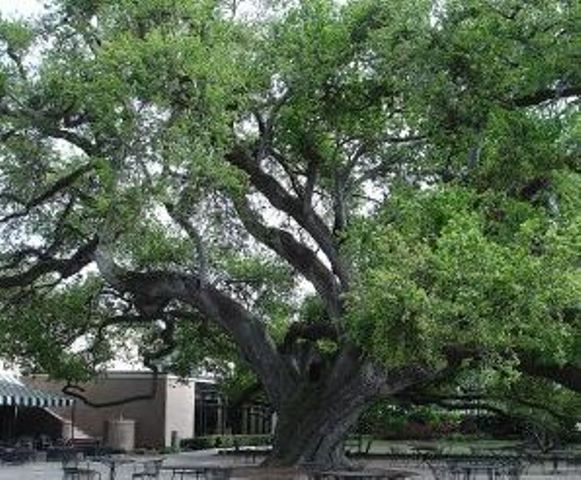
469 467
185 471
113 463
196 471
375 474
17 456
77 469
80 474
248 452
562 456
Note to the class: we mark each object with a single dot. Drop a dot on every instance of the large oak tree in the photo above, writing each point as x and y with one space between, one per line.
358 199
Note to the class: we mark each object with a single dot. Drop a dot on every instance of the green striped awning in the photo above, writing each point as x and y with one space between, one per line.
14 392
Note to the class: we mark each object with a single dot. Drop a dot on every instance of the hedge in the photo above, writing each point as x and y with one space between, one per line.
225 441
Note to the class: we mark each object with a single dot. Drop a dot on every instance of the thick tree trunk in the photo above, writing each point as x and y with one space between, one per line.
312 427
315 420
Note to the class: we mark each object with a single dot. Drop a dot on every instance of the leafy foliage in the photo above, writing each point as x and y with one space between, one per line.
373 182
454 265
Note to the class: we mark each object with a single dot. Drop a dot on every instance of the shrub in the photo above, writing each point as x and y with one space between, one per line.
225 441
167 450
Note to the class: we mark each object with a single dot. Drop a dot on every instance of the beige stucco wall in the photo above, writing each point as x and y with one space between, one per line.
179 409
149 415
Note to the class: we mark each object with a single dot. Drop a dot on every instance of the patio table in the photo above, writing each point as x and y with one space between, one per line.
113 463
17 456
185 471
562 457
249 453
75 468
198 471
375 474
470 467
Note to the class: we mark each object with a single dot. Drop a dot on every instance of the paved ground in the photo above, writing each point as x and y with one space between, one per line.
243 469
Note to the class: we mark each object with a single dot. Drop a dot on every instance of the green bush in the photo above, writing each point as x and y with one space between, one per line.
225 441
198 443
389 421
168 450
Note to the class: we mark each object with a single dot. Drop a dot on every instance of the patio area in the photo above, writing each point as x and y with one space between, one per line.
242 468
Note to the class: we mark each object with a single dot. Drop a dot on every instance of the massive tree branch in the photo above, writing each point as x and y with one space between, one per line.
398 379
154 290
302 258
278 196
311 332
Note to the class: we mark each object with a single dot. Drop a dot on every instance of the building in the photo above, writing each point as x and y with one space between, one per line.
215 416
165 408
25 412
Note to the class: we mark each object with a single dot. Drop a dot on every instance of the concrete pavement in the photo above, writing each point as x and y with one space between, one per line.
243 469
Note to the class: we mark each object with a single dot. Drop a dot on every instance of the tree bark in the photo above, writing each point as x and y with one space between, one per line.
312 428
314 422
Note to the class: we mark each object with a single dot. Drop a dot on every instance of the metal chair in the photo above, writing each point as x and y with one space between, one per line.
73 470
18 456
151 469
218 473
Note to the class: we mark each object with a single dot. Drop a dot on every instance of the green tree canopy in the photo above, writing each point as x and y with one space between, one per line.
353 199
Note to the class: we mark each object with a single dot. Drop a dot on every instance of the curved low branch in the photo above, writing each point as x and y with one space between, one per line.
567 375
77 392
169 344
545 95
400 378
57 187
64 267
152 291
476 401
49 126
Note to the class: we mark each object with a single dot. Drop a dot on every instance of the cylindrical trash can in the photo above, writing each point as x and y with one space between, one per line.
175 439
120 434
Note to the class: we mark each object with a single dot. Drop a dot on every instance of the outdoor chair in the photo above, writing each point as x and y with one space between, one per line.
75 469
43 442
18 456
25 441
218 473
151 469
